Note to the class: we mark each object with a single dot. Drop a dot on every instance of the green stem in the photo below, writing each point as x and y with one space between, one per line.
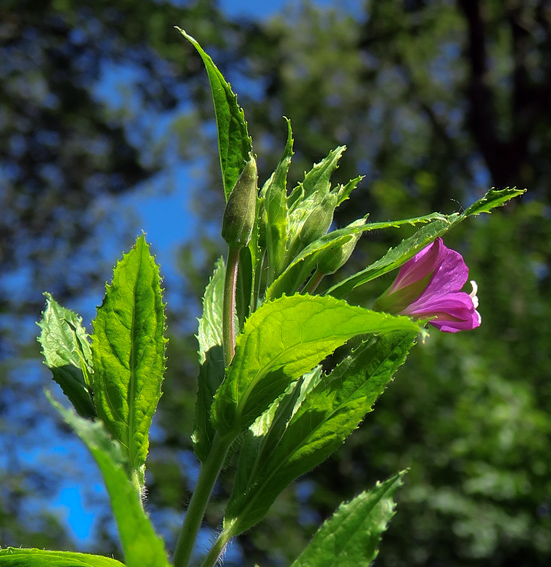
230 284
196 510
217 549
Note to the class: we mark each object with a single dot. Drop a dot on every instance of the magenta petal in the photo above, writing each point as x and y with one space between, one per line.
420 265
454 312
450 276
429 286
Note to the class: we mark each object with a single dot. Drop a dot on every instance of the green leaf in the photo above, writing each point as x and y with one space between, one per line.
395 257
282 340
277 450
142 547
305 262
351 537
67 353
494 198
316 182
311 205
262 438
16 557
211 359
274 199
234 143
129 353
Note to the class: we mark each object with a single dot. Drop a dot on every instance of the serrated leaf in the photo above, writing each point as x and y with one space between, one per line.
351 537
316 181
16 557
311 205
494 198
142 547
211 359
264 436
305 262
273 454
234 143
280 342
395 257
129 353
67 353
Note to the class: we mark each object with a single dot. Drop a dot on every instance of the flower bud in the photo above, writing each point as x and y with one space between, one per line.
240 213
318 222
335 256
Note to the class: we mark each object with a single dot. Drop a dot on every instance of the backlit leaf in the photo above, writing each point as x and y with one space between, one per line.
67 353
142 547
129 353
234 143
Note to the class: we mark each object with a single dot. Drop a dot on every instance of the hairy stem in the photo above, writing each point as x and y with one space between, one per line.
217 549
196 510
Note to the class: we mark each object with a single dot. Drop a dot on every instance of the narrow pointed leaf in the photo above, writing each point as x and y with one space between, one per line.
211 359
129 353
67 353
395 257
317 180
234 143
142 547
16 557
302 265
274 195
351 537
317 427
494 198
280 342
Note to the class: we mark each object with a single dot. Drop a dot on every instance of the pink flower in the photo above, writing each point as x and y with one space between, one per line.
429 285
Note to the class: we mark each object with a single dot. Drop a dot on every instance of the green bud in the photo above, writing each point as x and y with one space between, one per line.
335 256
240 213
318 222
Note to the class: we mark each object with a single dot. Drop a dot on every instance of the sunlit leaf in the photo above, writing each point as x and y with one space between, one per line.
67 353
142 547
395 257
211 359
16 557
234 143
129 353
284 444
283 340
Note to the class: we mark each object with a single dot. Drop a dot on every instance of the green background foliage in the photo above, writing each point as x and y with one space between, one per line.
436 101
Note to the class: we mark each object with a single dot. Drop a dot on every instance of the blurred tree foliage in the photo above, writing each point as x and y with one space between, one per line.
436 102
